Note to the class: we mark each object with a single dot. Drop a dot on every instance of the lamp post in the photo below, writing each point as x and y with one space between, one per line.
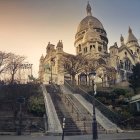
20 100
51 73
63 127
51 68
92 76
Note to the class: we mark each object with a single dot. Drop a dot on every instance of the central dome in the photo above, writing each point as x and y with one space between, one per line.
84 23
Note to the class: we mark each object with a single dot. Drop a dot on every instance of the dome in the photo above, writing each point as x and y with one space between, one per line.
91 34
84 23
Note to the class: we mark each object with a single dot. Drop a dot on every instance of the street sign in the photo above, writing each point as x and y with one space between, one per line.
21 100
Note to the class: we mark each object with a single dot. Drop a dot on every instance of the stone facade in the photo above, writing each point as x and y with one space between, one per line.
113 64
49 68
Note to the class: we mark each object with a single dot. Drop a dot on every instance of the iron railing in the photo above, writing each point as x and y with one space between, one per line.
112 116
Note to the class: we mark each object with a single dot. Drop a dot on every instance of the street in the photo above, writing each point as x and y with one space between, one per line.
132 135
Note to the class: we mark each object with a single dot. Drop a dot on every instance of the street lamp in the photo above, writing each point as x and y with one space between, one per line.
92 76
63 128
51 68
20 100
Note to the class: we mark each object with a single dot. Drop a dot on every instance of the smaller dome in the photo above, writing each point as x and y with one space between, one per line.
91 35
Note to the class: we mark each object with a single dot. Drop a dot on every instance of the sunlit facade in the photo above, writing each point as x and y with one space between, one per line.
112 64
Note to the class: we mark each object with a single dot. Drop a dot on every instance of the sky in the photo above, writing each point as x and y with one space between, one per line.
26 26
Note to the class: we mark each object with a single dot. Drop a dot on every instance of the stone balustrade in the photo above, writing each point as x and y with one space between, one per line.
54 126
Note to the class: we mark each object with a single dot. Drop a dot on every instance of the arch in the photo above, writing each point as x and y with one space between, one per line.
82 78
101 61
127 64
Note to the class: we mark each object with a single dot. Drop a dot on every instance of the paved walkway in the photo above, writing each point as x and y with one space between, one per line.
118 136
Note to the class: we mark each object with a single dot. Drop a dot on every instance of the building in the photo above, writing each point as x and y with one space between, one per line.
112 64
24 73
50 69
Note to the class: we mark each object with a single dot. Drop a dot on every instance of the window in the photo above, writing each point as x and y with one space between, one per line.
90 47
131 51
99 48
138 50
121 64
85 49
127 64
79 47
125 53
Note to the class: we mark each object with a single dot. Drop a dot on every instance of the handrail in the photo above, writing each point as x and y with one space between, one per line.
76 109
70 101
114 117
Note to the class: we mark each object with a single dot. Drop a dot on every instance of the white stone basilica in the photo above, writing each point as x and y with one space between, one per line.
113 64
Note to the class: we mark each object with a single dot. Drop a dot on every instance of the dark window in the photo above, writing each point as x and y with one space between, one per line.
131 51
121 64
99 48
90 47
79 47
85 50
127 65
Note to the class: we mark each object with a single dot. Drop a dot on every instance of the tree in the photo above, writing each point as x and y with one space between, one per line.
4 61
134 79
73 64
15 62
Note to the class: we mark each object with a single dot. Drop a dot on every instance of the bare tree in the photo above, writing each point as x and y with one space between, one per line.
73 64
4 61
90 65
15 62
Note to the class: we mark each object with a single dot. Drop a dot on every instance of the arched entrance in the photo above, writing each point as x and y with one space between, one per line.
82 79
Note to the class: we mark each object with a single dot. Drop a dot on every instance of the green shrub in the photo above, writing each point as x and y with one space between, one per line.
120 91
36 105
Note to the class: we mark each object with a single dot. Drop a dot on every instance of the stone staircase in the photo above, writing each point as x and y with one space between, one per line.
80 115
85 118
106 118
62 112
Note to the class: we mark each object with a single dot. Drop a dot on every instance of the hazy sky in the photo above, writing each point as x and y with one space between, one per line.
26 26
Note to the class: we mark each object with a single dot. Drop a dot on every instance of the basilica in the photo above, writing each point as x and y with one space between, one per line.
112 63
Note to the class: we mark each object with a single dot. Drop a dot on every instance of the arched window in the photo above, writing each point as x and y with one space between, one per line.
127 64
101 61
